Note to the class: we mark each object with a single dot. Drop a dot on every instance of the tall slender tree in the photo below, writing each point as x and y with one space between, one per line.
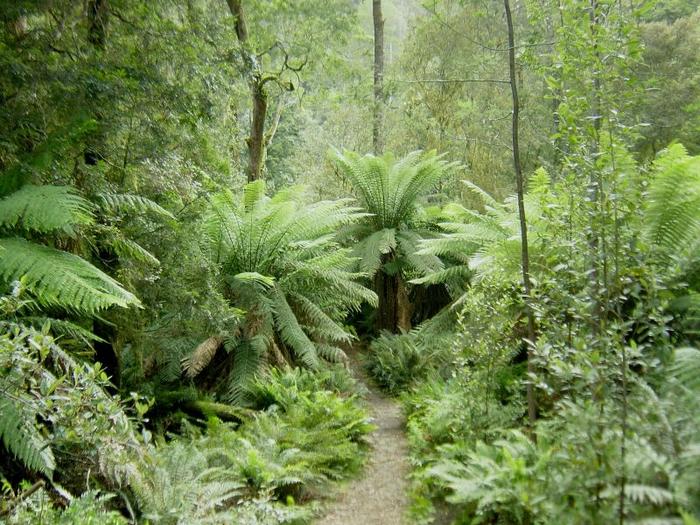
524 254
377 125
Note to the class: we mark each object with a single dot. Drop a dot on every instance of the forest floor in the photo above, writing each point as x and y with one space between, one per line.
379 497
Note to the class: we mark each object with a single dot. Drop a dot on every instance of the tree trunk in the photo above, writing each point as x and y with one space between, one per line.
385 287
394 309
377 125
256 140
524 254
403 306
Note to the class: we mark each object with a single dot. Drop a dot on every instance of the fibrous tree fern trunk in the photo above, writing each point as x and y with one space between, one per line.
394 311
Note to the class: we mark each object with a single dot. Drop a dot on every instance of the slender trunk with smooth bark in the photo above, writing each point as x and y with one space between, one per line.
378 120
524 254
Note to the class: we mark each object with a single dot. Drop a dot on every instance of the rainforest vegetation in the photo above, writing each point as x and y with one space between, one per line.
226 225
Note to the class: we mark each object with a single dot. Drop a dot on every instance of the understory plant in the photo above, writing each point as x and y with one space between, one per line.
279 262
616 402
263 470
386 240
57 413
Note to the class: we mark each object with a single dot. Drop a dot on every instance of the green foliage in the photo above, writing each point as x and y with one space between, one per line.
90 508
305 437
397 361
58 278
672 216
279 261
21 438
487 243
54 277
45 209
53 404
390 190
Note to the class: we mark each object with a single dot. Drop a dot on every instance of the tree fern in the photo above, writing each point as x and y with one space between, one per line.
386 242
372 248
485 243
279 261
247 360
291 332
672 214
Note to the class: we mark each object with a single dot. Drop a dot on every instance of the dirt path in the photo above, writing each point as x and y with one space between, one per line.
379 497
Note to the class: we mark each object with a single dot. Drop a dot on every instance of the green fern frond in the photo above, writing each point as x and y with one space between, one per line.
333 354
446 275
672 215
649 494
686 367
247 360
61 279
370 250
319 322
485 197
253 192
124 202
45 209
291 332
423 263
62 328
254 277
128 249
23 440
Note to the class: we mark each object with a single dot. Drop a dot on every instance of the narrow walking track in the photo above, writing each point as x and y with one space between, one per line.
379 496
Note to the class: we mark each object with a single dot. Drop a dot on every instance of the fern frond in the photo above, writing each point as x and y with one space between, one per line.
453 273
321 323
253 192
648 494
485 197
254 277
124 202
23 440
61 328
201 357
61 279
291 332
371 248
128 249
672 215
45 209
686 367
332 354
247 359
423 263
